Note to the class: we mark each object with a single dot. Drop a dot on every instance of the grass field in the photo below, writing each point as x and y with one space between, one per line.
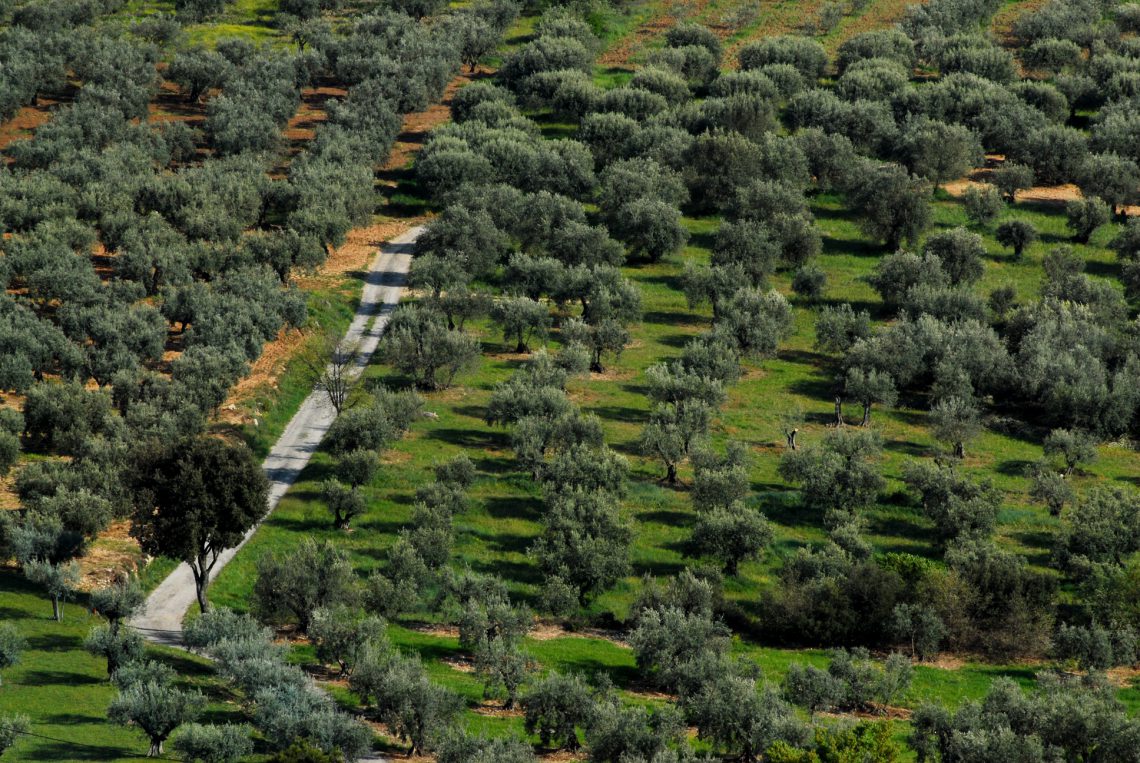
65 691
495 535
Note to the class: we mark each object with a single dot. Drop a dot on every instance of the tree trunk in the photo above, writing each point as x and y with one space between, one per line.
838 411
959 450
155 748
671 474
866 414
791 436
201 577
56 609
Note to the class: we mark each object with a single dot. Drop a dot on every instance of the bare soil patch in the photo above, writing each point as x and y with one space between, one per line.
111 553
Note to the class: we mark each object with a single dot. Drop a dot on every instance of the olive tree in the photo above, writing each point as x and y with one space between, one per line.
150 703
893 205
1084 216
12 646
555 707
214 743
420 345
1016 234
839 476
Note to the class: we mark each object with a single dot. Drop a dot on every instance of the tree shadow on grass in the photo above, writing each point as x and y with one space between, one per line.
620 413
675 318
502 507
306 525
469 438
660 568
508 543
72 719
667 517
907 447
380 526
519 572
1014 467
676 340
51 752
58 677
1103 269
47 642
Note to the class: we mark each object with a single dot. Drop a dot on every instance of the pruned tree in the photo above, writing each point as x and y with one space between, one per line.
1016 234
555 707
214 743
149 702
12 646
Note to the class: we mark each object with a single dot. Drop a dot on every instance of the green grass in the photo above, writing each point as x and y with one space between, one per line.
64 691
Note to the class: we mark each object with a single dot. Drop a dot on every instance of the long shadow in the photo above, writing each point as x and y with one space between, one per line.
519 572
509 543
660 568
674 318
908 447
676 340
1014 467
56 751
58 677
513 508
1103 269
666 517
380 526
69 719
468 438
620 413
49 641
298 524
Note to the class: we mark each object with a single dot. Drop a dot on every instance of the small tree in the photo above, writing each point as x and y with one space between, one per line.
1051 488
1016 234
59 580
731 535
809 281
960 252
522 319
195 500
921 626
983 205
811 688
118 646
208 743
868 388
12 645
839 475
956 420
343 637
11 728
1085 216
292 587
354 469
503 667
555 706
415 709
150 703
420 345
1010 178
1074 446
331 367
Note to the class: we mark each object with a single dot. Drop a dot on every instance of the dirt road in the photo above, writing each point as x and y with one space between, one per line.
161 621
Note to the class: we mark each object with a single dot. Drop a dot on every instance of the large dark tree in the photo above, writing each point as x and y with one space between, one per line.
195 500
